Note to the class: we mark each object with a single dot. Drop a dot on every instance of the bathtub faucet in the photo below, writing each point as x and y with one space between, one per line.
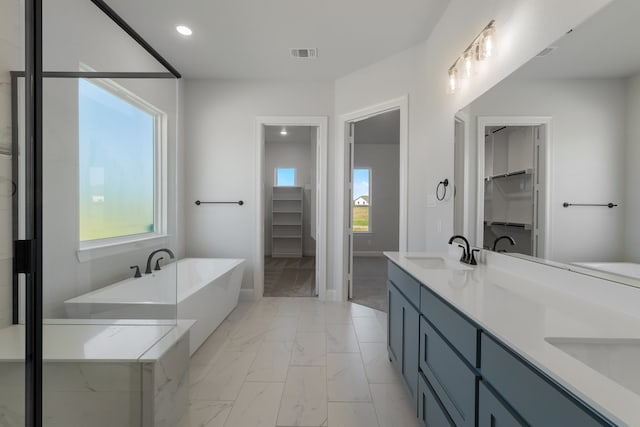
168 251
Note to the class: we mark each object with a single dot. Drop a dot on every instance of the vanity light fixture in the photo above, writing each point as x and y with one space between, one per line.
486 45
481 48
453 80
283 131
184 30
468 65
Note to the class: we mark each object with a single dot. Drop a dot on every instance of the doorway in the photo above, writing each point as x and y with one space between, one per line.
512 183
374 205
289 211
289 191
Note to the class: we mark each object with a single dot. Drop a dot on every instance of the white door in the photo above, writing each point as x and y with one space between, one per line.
539 191
314 203
349 192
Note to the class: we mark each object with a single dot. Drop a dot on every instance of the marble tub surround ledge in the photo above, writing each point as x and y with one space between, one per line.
530 306
102 374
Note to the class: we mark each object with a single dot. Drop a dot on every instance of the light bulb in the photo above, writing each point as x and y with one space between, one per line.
468 65
283 131
453 81
487 43
185 31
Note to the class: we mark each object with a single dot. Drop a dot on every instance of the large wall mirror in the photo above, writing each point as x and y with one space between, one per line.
552 153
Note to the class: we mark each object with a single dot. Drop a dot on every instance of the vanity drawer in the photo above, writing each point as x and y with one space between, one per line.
492 413
430 410
537 400
453 381
409 286
459 332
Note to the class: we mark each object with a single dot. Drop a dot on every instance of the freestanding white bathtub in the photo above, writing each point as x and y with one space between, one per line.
207 291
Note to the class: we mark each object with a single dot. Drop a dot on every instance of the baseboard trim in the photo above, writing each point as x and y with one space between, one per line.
369 253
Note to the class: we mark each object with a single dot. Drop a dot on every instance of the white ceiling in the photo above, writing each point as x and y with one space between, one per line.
605 46
250 39
297 134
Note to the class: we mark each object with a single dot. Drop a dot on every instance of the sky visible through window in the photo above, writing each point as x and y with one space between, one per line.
360 183
116 165
285 177
361 212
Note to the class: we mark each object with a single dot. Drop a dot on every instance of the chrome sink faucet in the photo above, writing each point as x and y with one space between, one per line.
468 254
168 251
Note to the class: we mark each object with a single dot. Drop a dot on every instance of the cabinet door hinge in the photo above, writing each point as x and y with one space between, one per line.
24 256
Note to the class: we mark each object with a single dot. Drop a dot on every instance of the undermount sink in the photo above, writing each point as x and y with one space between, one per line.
615 358
435 263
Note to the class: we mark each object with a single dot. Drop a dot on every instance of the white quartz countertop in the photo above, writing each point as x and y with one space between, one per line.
94 341
522 312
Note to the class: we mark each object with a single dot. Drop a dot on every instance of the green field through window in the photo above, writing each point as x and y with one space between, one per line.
361 200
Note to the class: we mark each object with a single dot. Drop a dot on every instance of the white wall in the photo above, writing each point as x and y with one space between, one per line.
632 220
588 138
421 72
220 122
295 154
384 161
103 47
220 118
11 59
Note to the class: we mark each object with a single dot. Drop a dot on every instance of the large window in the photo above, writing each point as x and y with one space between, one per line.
118 145
285 177
361 200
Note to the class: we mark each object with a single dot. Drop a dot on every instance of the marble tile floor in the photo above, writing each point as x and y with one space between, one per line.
297 362
289 277
370 282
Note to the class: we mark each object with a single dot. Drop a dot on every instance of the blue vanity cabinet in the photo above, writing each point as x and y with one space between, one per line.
448 358
394 325
536 399
492 412
460 376
403 326
431 412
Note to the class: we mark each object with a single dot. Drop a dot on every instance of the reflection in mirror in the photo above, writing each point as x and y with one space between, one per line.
459 213
564 129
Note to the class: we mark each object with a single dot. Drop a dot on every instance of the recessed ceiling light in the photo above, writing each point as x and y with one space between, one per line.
185 31
283 131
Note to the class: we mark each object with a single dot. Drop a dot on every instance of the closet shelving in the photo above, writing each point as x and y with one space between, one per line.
286 222
509 184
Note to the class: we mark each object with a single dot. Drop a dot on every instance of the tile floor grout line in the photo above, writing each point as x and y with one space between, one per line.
315 310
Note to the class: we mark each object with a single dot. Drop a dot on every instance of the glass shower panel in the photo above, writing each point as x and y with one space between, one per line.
78 36
109 196
12 334
109 171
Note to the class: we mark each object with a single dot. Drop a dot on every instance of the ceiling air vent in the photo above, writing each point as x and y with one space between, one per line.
546 51
305 53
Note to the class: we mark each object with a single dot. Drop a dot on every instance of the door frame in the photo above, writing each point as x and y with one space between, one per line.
341 255
484 121
463 117
321 123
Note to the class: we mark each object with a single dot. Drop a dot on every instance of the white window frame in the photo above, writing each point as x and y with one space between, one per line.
98 248
275 176
370 230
